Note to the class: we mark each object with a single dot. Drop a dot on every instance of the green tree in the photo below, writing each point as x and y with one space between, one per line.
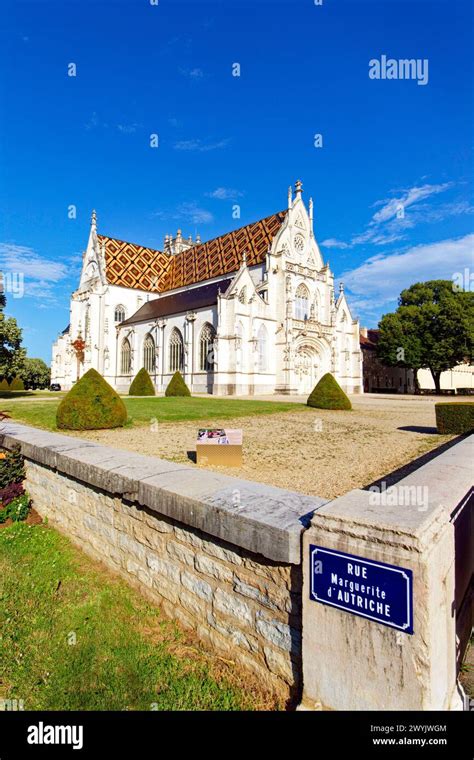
142 385
12 355
35 373
177 386
432 328
91 404
328 394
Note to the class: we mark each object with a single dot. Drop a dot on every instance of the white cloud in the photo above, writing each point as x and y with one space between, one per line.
403 212
380 279
194 74
225 194
406 199
200 146
333 243
188 211
195 214
94 122
127 129
40 274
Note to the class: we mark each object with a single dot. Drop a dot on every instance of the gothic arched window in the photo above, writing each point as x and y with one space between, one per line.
206 348
302 302
176 351
119 315
262 345
149 354
125 358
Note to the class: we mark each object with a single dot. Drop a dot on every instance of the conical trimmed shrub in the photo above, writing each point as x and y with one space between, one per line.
17 384
4 386
142 384
328 394
177 386
91 404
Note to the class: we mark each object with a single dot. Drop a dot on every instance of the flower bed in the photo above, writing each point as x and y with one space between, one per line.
15 503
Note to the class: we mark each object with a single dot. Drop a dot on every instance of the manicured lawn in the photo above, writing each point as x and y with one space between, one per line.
32 394
74 637
142 410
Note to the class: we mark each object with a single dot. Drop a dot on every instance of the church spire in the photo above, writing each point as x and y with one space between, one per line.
298 188
94 222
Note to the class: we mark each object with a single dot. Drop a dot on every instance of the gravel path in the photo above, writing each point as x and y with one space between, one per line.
317 452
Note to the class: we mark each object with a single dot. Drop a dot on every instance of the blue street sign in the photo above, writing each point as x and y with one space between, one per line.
373 590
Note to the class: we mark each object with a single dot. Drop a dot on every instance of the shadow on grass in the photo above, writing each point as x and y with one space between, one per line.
16 394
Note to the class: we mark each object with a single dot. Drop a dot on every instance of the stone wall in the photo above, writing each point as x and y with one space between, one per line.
362 664
243 604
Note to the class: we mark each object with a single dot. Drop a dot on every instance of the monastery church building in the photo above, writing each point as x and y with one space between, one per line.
250 312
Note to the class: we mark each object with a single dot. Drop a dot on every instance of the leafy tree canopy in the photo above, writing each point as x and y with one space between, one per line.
35 373
432 328
12 355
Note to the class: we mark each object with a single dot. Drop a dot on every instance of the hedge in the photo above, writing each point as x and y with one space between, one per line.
455 418
4 386
91 404
17 384
142 385
328 394
177 386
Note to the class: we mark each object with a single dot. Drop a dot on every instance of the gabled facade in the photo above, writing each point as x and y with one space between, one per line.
250 312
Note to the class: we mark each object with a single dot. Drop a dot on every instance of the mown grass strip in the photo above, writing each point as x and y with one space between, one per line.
142 410
74 637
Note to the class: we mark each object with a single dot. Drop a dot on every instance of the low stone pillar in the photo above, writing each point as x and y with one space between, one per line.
351 661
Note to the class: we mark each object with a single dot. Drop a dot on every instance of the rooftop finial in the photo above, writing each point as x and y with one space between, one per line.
311 211
290 196
94 220
244 257
298 188
341 287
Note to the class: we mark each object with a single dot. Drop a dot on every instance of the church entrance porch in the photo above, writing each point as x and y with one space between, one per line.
306 369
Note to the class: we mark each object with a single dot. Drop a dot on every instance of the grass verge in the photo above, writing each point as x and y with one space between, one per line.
142 410
75 637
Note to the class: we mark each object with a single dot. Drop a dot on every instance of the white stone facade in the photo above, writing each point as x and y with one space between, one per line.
276 327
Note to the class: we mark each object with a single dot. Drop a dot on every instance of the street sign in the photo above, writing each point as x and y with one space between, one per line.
364 587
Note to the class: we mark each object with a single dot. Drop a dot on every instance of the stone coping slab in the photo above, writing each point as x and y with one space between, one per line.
254 516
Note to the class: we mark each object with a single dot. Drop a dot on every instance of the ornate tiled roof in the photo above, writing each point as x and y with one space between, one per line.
134 266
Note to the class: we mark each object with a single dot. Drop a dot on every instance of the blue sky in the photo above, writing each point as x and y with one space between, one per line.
166 69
